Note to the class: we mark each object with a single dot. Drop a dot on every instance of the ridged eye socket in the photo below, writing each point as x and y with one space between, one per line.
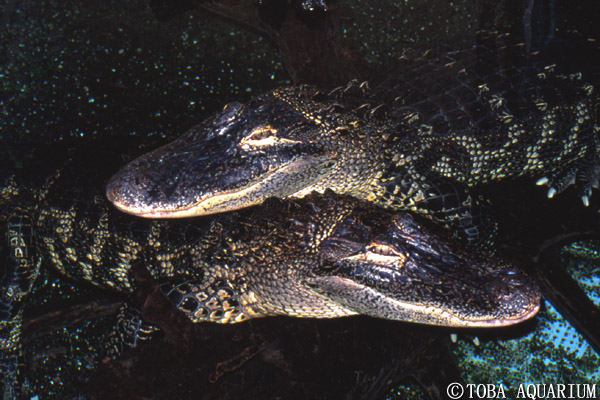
230 112
227 120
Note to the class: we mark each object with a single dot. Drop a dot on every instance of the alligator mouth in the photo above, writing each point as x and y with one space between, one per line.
435 314
495 322
212 205
450 319
130 191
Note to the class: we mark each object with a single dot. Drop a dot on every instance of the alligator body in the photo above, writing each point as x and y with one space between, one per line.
322 257
420 140
327 256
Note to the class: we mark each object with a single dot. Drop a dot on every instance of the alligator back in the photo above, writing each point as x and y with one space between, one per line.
495 110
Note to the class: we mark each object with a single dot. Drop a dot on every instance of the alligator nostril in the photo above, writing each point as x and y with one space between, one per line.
120 187
515 294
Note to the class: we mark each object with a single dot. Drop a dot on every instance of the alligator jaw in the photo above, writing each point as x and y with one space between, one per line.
364 299
211 205
128 191
505 322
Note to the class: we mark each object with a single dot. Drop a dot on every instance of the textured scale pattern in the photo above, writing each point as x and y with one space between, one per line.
480 120
439 125
67 224
20 267
424 136
324 257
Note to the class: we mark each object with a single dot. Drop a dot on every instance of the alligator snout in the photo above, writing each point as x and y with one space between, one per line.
124 188
516 295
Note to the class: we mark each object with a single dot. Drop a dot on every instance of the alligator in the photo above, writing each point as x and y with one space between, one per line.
323 256
424 138
326 256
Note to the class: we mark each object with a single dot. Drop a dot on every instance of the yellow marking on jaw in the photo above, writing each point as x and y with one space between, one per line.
216 203
445 318
434 315
212 203
200 208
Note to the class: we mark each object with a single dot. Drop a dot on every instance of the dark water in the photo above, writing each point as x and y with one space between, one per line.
73 70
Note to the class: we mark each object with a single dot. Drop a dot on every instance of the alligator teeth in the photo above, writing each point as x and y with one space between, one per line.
542 181
586 200
453 337
551 192
476 341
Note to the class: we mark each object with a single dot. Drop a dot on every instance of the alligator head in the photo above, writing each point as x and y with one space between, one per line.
391 266
272 146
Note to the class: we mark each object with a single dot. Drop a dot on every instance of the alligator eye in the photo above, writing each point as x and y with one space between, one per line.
379 254
263 136
260 136
261 132
383 249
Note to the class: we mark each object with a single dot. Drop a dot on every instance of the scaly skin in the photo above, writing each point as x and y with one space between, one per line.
419 140
324 256
275 260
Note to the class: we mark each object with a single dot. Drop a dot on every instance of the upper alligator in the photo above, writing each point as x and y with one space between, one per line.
418 140
326 256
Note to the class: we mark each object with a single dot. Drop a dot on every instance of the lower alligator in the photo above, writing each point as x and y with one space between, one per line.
419 140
